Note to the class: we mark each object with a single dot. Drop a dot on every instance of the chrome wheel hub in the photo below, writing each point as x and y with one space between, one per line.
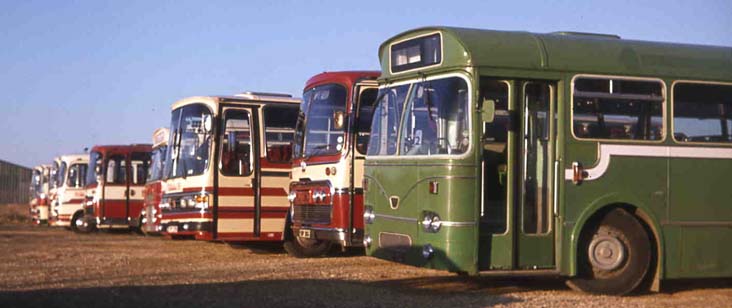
606 252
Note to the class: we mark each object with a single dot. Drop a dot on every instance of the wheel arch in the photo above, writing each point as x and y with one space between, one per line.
635 207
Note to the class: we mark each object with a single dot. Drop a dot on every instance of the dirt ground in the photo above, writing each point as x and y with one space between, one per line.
51 267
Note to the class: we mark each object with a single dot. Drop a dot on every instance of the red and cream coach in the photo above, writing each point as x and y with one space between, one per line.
39 194
227 167
153 192
54 182
114 185
330 144
70 190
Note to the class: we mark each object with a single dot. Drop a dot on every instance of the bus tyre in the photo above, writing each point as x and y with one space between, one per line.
614 255
78 224
306 248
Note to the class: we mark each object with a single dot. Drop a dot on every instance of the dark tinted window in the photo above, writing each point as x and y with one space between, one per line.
702 112
365 112
279 130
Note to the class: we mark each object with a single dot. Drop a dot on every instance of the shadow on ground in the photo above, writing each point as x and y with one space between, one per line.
271 293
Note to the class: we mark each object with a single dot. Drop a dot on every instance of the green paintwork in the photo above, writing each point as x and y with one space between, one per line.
684 201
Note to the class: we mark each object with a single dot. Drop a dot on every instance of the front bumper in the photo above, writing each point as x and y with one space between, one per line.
200 230
336 235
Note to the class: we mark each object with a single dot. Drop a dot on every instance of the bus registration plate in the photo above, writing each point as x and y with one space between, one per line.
304 233
172 229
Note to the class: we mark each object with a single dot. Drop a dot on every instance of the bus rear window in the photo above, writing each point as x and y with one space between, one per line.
618 109
415 53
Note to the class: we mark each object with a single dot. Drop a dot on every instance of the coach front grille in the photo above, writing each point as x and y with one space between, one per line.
312 214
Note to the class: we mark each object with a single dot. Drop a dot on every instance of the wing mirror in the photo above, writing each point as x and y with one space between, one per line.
488 110
338 119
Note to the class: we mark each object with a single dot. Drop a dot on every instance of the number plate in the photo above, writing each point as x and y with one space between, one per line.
172 229
304 233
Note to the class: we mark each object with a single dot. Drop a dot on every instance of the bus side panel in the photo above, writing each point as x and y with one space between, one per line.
640 182
700 204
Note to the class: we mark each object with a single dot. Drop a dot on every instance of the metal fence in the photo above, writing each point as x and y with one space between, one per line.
14 183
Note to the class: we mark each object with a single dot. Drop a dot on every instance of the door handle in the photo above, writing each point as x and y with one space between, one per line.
578 173
132 192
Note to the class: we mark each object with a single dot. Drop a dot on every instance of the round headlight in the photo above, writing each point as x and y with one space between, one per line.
431 222
291 197
368 215
436 223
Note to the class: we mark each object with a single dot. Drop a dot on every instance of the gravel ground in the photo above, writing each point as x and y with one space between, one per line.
53 267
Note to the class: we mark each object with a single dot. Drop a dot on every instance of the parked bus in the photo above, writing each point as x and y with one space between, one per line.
228 166
154 189
114 184
587 156
39 194
69 194
53 184
331 139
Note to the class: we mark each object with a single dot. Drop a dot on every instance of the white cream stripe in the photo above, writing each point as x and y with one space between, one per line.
606 151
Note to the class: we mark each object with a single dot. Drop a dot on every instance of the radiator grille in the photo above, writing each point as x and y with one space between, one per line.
312 214
395 242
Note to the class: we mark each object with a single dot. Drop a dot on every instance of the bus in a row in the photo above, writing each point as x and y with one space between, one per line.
227 167
39 189
586 156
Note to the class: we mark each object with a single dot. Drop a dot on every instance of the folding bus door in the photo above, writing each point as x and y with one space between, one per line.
139 162
236 208
516 219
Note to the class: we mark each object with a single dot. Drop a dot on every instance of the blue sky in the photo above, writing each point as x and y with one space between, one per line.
78 73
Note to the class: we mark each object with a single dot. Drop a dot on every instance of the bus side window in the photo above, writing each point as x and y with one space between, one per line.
236 148
140 162
116 173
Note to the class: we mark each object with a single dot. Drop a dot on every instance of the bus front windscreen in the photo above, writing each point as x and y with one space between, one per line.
37 182
322 121
155 171
435 120
95 159
188 153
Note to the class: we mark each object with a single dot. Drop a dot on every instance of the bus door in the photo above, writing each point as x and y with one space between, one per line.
516 226
237 210
115 190
364 110
139 162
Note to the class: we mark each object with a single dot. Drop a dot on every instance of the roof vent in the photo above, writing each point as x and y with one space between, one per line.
249 93
587 34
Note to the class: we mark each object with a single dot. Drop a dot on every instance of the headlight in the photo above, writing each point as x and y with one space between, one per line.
291 197
318 195
201 201
368 215
431 222
164 204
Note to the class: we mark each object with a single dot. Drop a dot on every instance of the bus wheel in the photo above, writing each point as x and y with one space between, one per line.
306 248
78 224
614 256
